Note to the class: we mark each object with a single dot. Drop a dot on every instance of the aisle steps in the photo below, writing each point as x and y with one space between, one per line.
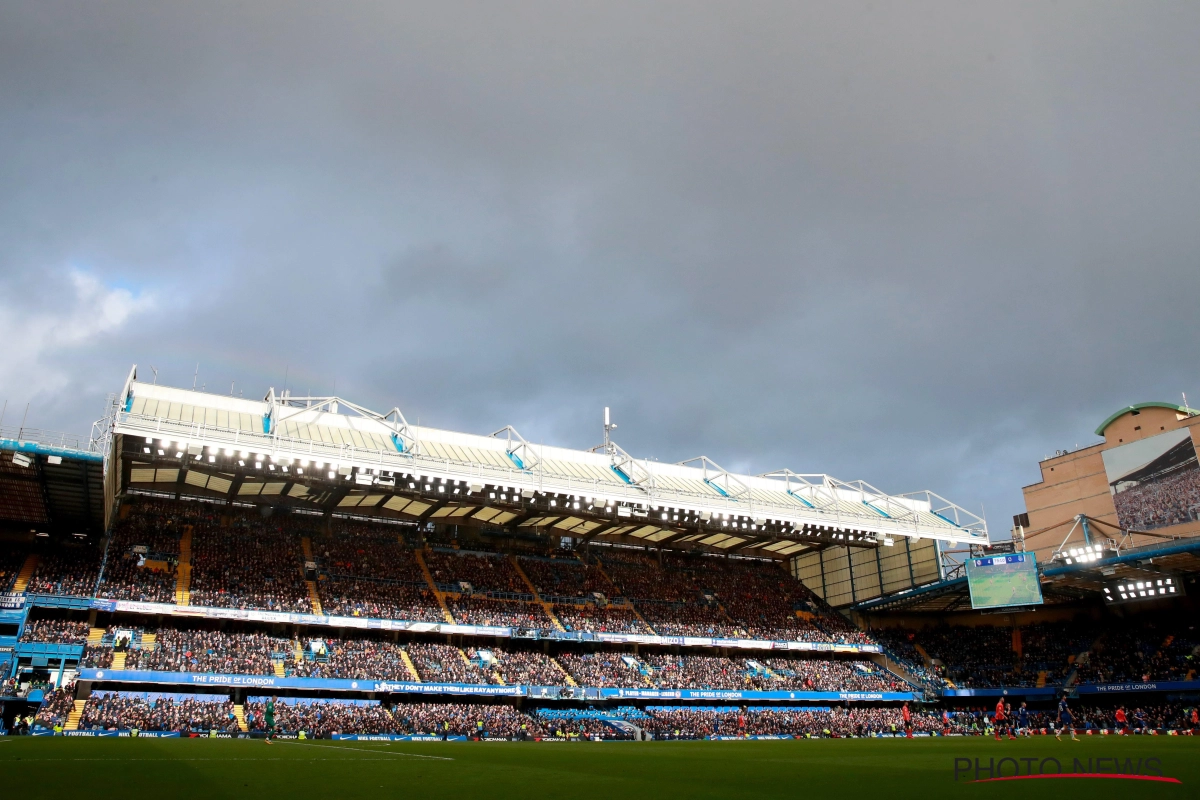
537 597
74 715
26 573
183 571
409 665
433 586
313 597
239 713
566 675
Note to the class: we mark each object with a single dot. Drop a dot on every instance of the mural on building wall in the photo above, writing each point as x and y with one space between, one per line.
1155 482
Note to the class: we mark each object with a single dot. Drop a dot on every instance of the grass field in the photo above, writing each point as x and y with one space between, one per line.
202 768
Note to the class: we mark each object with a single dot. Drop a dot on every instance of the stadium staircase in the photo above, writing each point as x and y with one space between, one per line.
149 641
409 665
26 573
299 652
118 661
628 603
537 597
566 675
277 668
313 596
74 716
441 598
1074 661
924 656
95 637
183 571
1041 679
239 713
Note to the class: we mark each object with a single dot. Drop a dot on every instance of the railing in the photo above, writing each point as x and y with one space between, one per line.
66 441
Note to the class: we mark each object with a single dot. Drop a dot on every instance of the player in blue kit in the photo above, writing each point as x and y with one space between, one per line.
1023 720
1064 720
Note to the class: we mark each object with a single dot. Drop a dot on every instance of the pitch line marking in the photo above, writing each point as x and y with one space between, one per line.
363 750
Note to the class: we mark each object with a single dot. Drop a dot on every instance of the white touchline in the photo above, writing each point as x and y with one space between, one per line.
363 750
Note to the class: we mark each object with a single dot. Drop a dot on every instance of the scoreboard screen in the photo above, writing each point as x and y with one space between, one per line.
1004 580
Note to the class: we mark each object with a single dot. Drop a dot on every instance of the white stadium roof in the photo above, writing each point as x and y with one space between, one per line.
392 464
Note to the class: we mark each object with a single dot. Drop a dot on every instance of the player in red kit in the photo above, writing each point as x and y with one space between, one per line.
1001 720
904 712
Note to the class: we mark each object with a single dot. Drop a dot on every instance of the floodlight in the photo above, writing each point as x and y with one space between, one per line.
22 460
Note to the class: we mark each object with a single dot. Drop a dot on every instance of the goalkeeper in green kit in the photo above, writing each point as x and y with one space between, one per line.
269 718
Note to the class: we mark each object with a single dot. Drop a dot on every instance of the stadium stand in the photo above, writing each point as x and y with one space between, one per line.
368 584
124 711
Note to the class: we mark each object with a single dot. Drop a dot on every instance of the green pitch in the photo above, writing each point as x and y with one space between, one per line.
92 769
1004 585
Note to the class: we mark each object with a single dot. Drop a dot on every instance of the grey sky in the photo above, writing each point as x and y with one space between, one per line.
921 244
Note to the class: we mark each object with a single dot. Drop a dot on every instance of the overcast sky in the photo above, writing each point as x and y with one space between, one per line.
920 244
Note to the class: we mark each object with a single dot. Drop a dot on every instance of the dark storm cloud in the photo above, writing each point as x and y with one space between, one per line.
919 244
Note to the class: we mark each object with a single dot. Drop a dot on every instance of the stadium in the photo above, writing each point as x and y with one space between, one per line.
310 570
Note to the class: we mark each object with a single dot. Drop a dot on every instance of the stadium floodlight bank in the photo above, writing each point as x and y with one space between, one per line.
328 453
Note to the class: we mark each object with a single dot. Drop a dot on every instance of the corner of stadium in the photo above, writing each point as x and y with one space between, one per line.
313 572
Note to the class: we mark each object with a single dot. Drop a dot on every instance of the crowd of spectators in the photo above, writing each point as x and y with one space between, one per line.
697 672
1161 502
827 675
592 729
117 711
566 577
11 561
367 551
250 562
485 573
461 719
56 705
487 611
220 652
697 618
525 668
443 663
638 576
321 718
67 571
762 599
347 659
1140 650
361 597
55 631
983 656
599 619
975 656
698 723
900 644
605 670
144 550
